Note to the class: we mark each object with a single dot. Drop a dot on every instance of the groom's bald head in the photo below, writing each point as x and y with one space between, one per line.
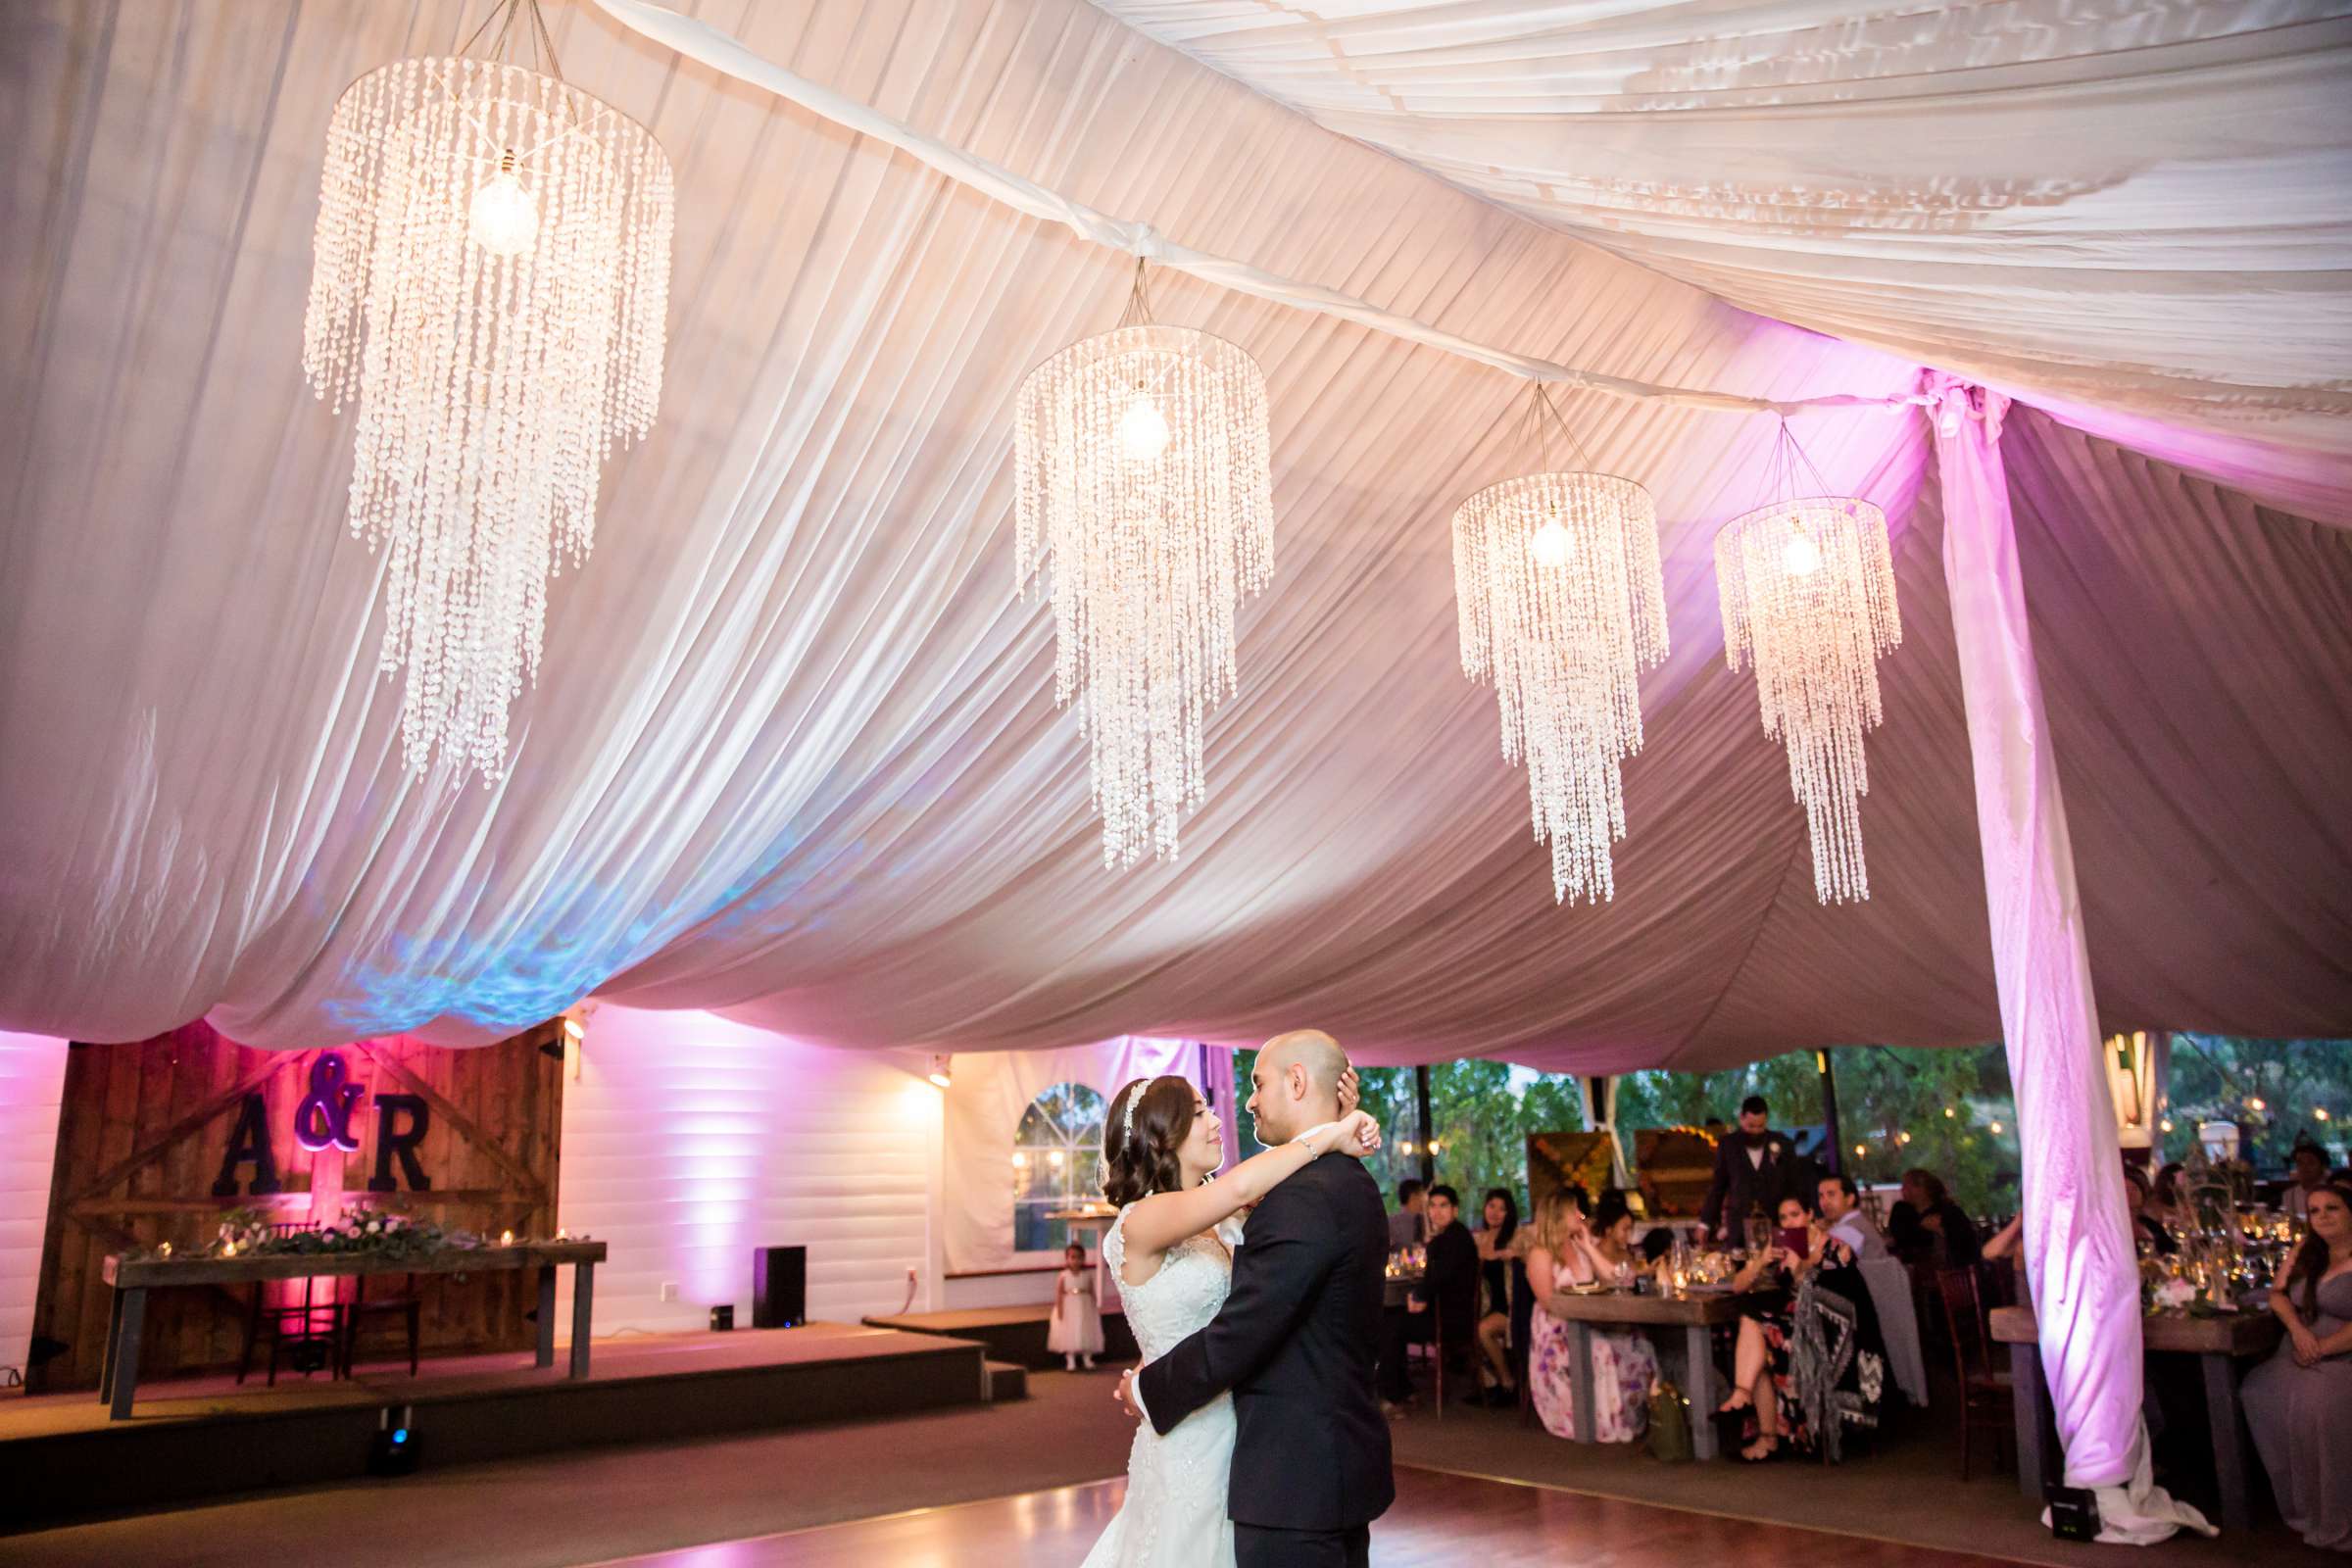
1296 1084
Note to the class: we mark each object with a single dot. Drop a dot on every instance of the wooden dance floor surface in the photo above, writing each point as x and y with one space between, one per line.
1439 1518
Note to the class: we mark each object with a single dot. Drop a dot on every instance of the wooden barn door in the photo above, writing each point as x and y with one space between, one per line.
148 1128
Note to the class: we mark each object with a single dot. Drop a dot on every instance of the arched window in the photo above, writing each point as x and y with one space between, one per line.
1054 1156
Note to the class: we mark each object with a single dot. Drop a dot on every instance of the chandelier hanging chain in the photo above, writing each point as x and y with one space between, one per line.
504 11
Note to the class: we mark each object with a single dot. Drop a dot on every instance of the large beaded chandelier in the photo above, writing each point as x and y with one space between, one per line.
1807 585
490 286
1562 604
1143 468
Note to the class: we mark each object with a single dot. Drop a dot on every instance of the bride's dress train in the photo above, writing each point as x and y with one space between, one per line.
1174 1514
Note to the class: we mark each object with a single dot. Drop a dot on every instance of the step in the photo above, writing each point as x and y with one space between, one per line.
1006 1381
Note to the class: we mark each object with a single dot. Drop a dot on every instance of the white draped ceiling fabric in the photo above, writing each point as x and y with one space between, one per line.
793 754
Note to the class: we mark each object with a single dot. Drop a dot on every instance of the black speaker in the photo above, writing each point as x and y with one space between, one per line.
780 1287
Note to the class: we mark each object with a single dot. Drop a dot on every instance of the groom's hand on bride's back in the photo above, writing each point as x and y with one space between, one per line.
1125 1395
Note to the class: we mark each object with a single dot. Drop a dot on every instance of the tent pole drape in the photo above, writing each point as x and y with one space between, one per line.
2079 1257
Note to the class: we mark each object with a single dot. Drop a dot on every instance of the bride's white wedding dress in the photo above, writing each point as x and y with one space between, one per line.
1174 1515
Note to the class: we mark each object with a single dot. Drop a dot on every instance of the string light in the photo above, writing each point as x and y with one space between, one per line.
1405 1145
2318 1113
1949 1112
1860 1149
2165 1125
1902 1138
1994 1129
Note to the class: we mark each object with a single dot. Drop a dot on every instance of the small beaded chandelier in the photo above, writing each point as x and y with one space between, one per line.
1807 584
1144 473
490 285
1562 606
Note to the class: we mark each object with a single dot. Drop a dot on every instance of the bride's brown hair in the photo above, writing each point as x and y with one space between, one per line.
1148 1122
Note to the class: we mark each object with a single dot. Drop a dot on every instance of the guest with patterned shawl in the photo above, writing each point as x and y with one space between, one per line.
1810 1362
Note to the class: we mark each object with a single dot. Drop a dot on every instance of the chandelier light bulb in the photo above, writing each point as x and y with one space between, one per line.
1802 556
503 218
1549 544
1143 430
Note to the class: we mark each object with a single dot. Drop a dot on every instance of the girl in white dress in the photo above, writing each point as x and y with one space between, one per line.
1077 1329
1172 1250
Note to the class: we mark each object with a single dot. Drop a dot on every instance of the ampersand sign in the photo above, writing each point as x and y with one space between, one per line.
324 1118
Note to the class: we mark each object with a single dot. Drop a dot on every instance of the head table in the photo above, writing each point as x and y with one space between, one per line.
133 1277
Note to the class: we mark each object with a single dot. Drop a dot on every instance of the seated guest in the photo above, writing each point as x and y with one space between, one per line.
1928 1228
2300 1403
1842 1212
1449 1285
2310 1175
1408 1226
2146 1228
1809 1361
1502 1277
2168 1207
1625 1364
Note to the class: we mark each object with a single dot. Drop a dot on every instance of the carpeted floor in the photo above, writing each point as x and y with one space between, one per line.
599 1504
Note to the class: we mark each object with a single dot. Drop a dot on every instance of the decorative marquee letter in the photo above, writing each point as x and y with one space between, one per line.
324 1118
389 1143
249 1143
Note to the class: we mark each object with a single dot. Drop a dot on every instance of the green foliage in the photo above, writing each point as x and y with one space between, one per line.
1948 1110
2218 1076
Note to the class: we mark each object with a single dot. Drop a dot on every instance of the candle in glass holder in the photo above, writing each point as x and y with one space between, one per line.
164 1250
506 1238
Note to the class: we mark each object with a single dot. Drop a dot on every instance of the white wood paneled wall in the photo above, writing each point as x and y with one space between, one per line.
689 1140
32 1079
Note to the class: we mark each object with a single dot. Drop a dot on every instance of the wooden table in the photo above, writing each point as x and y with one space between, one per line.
133 1278
1698 1316
2217 1341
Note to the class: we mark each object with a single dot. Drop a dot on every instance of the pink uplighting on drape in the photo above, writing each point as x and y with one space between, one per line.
2079 1253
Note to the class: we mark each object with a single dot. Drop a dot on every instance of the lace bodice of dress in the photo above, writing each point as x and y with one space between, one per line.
1194 1279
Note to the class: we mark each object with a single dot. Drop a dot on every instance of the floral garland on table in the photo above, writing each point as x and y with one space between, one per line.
373 1233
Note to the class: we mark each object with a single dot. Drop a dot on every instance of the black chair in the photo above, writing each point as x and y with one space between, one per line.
1988 1398
406 1305
1440 1352
291 1324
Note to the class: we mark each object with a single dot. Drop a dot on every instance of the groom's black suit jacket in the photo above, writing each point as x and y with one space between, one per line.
1297 1344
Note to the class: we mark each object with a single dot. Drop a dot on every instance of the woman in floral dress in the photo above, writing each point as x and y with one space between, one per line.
1625 1364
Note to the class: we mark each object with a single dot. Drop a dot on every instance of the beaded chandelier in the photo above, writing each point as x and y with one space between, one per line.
1142 468
1807 586
1562 604
490 287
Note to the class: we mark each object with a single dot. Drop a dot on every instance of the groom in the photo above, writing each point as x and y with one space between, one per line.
1296 1340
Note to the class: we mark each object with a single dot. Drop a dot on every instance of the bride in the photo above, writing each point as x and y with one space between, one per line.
1171 1250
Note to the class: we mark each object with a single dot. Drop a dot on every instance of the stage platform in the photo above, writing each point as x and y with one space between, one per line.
1015 1333
62 1458
1440 1520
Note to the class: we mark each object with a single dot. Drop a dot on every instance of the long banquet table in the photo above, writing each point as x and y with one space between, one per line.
133 1278
1698 1316
2218 1343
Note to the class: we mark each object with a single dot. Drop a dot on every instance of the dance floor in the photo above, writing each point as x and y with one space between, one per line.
1439 1518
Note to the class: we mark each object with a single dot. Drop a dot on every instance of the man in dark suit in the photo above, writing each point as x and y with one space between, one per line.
1754 1169
1296 1340
1447 1297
